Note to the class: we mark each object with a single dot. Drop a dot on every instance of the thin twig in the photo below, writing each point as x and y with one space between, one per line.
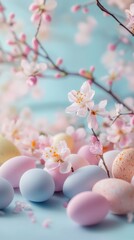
102 8
101 156
105 166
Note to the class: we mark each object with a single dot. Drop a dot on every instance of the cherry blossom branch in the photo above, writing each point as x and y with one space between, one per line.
103 9
101 156
67 73
39 25
120 114
63 71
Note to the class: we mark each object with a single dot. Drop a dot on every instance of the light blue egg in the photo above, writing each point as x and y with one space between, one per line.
83 180
37 185
6 193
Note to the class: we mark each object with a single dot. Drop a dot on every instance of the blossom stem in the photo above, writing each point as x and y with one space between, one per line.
108 174
64 72
39 24
101 156
67 73
120 114
103 9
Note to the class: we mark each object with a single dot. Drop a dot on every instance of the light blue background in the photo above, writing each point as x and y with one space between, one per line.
64 26
61 44
19 226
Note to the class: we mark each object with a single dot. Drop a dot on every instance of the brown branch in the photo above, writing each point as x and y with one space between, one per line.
39 25
105 166
101 156
103 9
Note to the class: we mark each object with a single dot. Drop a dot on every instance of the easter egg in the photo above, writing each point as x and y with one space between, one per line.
118 192
85 153
109 157
77 161
37 185
132 181
7 150
13 169
63 137
123 165
6 193
83 180
87 208
59 178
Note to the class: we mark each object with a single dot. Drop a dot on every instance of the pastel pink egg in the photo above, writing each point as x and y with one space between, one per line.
14 168
59 178
77 161
85 153
88 208
132 181
123 165
118 192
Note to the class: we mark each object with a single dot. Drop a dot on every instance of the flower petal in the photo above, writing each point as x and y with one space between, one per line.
50 5
65 167
50 164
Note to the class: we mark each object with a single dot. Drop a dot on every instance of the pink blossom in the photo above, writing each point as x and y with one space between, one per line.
130 12
122 4
56 156
75 8
42 8
95 146
130 16
79 136
85 30
31 71
81 100
119 132
46 223
116 111
32 144
12 129
113 76
96 110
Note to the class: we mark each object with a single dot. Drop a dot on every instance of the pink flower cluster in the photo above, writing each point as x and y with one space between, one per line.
83 105
42 9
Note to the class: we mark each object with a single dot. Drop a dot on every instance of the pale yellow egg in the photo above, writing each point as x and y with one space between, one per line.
123 165
7 150
64 137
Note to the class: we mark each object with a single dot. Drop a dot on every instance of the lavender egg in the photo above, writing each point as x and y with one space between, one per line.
83 180
6 193
37 185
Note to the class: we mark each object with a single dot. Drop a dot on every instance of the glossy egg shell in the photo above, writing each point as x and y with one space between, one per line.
83 179
85 153
119 193
123 165
13 169
6 193
88 208
7 150
37 185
